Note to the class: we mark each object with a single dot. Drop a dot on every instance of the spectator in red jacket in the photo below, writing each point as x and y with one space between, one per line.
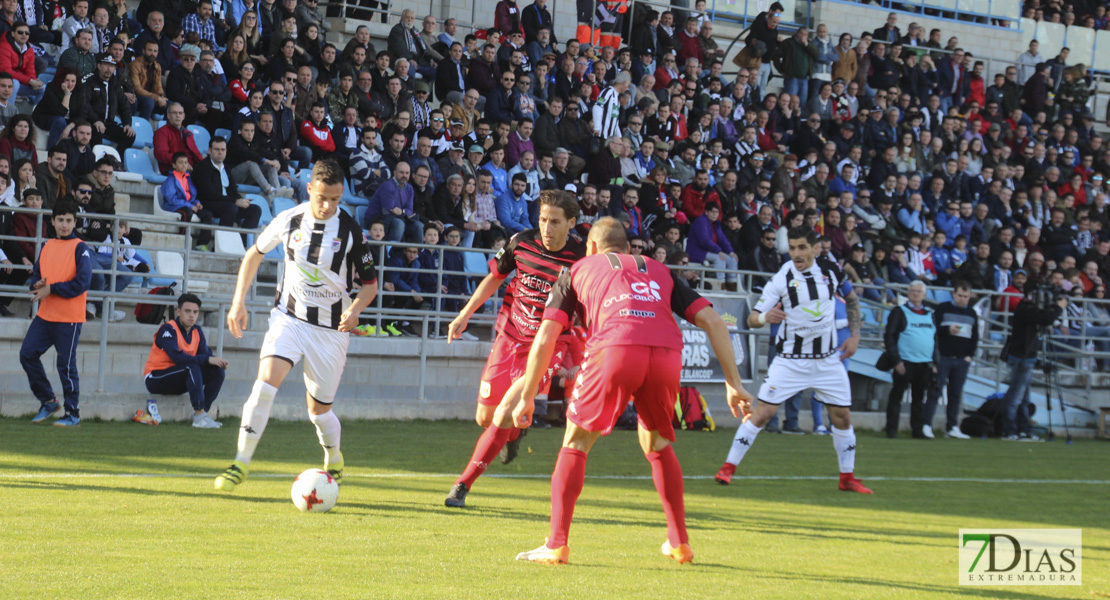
697 195
172 138
316 134
506 18
689 46
18 58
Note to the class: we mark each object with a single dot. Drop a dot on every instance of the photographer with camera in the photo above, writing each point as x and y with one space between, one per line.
1042 306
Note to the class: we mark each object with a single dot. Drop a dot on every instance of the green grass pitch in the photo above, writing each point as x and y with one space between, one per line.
116 510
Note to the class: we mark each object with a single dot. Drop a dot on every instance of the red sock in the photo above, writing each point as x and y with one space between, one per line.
566 485
667 474
491 442
847 476
514 434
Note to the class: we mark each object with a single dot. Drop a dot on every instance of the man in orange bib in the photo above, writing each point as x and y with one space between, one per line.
180 361
59 283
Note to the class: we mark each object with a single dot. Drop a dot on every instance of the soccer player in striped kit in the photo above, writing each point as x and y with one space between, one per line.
312 314
537 256
802 297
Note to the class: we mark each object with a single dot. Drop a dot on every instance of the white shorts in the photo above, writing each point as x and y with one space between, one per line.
324 352
788 376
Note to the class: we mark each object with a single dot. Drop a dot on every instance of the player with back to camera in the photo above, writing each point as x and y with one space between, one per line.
537 256
801 296
633 352
312 315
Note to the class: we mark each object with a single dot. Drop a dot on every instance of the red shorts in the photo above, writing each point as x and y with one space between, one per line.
649 376
507 362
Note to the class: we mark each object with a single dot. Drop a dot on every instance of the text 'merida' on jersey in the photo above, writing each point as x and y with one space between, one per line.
537 269
322 260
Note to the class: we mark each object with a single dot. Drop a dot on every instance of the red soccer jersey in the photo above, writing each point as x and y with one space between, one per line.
537 270
624 300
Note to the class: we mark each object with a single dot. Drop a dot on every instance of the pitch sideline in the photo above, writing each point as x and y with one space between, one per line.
540 476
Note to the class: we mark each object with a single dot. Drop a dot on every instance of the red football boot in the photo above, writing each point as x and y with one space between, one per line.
724 476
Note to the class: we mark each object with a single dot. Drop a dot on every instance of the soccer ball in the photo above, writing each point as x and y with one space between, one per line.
314 491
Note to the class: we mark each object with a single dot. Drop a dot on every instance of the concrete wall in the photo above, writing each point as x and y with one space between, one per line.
381 379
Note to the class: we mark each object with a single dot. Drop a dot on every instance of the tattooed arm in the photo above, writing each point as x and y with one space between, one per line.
855 319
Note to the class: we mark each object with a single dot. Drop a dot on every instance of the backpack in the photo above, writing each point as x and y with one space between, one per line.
691 411
154 314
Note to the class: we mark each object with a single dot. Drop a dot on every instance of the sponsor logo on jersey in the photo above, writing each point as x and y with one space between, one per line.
650 287
796 283
313 279
643 292
298 237
816 313
499 254
484 389
643 314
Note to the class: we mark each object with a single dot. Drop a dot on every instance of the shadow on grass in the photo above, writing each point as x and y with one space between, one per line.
982 592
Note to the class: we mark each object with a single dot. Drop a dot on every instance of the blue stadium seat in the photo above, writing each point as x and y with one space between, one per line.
943 296
346 209
261 202
360 215
138 161
144 134
201 137
224 133
350 198
150 280
249 189
283 204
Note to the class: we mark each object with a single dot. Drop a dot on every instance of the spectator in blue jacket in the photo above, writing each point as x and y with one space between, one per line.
392 205
512 206
839 185
948 223
708 245
501 104
912 216
898 268
429 259
408 293
179 195
496 166
942 258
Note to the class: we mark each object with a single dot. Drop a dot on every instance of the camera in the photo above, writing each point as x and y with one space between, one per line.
1046 295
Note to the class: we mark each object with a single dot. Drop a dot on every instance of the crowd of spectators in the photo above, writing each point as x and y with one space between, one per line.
910 160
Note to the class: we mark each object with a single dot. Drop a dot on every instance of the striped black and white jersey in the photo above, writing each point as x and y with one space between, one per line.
607 113
808 298
323 259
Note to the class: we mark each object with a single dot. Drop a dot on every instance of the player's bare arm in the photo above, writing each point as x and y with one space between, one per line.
237 316
739 399
855 320
543 347
365 296
774 316
486 289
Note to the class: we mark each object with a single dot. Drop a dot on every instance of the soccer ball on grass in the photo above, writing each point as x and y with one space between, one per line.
314 491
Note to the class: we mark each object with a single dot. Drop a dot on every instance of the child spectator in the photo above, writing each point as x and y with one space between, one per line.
60 283
408 294
180 195
429 260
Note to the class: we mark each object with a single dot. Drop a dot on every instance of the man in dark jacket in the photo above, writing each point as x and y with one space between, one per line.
545 135
1021 351
285 125
957 340
484 74
187 86
216 188
535 17
99 100
249 165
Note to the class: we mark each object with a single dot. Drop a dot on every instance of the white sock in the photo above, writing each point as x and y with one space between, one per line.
328 430
844 440
745 437
256 413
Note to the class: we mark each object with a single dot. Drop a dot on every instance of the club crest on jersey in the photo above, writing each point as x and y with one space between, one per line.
335 243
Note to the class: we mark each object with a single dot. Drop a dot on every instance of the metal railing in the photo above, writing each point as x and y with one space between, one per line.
259 300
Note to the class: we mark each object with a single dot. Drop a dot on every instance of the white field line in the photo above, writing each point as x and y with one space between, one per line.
538 476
